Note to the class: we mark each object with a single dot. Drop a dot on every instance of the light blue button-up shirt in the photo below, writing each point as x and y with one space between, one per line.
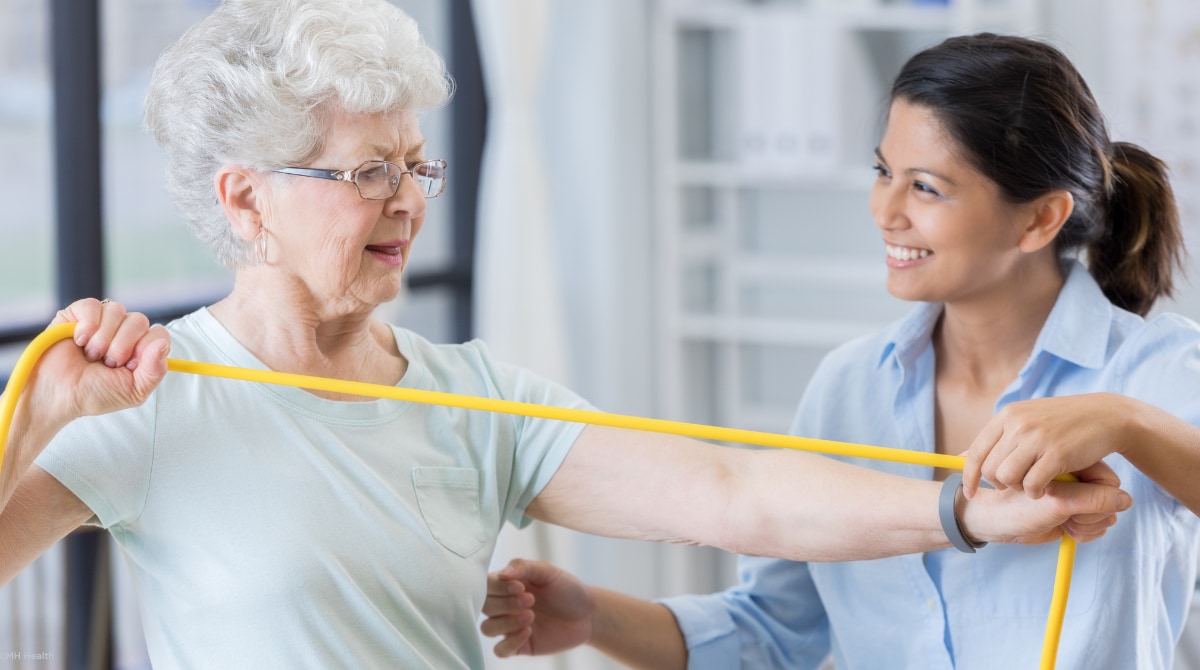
1130 591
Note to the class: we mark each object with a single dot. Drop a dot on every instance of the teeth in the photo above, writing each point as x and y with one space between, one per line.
905 253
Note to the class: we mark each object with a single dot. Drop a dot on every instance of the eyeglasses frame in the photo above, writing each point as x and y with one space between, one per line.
351 175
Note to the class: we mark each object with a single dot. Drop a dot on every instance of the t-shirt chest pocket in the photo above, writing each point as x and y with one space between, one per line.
449 503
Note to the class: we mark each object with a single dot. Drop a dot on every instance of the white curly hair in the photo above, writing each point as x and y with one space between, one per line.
253 84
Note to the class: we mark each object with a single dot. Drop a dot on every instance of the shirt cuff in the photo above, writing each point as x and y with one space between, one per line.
708 630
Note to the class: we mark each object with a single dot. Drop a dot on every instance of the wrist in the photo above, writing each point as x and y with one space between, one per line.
32 419
30 431
601 629
1137 426
959 517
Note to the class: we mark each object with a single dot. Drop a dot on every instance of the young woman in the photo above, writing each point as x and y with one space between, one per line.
995 172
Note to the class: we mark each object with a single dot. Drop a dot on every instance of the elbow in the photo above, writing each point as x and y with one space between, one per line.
742 521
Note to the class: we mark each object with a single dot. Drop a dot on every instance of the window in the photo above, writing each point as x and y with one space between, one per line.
26 220
145 256
151 260
116 233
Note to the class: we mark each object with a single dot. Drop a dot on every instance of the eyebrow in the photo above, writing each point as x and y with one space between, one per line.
381 150
917 170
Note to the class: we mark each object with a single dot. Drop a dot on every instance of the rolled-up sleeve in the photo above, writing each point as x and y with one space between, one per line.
773 619
708 628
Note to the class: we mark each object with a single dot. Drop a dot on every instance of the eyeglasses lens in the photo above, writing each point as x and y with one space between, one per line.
378 180
431 177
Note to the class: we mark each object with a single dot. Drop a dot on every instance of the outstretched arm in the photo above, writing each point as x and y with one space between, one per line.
791 505
1028 443
538 609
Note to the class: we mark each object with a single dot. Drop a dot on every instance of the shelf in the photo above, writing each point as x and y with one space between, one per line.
855 273
859 272
719 16
788 332
728 174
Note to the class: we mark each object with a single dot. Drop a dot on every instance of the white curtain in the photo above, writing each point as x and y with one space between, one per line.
518 298
518 305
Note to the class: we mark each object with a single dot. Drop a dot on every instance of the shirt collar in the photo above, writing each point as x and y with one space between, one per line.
908 337
1076 330
1078 326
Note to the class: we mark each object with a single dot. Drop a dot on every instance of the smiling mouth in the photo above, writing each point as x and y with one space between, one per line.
906 253
387 250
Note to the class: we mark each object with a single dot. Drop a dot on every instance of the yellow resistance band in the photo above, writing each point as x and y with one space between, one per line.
1066 555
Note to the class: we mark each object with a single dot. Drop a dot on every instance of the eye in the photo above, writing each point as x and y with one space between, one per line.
427 170
881 171
374 172
926 188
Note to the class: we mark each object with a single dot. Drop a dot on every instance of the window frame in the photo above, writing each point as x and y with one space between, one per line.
79 217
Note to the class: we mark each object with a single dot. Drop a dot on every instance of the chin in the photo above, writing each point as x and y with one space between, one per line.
390 293
908 293
381 290
912 294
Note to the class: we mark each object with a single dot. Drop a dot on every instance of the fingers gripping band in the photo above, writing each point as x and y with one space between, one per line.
950 524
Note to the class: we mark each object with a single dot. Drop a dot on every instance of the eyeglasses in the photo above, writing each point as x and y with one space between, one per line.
379 180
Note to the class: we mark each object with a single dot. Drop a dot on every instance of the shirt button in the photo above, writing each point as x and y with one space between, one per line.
931 604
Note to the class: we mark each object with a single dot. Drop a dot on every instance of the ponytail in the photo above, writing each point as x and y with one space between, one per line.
1142 244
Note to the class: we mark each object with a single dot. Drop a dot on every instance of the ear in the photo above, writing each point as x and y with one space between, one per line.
1048 215
238 189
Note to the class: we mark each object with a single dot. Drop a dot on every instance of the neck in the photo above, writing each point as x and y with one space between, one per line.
290 330
986 340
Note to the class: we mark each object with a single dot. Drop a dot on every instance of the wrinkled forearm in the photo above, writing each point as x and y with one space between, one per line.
784 504
29 434
818 509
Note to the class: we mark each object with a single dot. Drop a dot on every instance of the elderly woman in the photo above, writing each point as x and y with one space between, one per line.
276 527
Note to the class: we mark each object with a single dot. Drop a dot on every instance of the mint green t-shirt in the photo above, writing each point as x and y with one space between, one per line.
268 528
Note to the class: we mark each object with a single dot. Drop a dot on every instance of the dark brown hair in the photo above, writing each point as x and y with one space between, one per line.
1022 115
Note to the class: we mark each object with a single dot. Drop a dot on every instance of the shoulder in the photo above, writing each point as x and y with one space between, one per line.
1133 338
1173 325
472 368
458 363
1158 360
195 335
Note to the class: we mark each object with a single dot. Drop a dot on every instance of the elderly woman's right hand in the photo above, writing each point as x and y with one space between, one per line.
114 362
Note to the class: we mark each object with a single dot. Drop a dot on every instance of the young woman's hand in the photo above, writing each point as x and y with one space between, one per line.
1029 443
537 608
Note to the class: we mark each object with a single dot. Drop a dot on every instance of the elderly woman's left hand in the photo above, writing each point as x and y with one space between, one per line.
1029 443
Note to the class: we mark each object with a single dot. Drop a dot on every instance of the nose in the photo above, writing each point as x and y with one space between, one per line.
887 205
408 200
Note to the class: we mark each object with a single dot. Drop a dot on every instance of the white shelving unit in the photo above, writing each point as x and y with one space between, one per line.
767 113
